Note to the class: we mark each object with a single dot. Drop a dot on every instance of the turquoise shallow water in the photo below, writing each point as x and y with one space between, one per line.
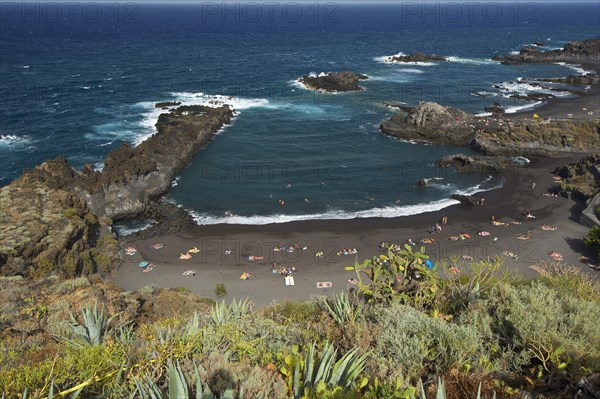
80 86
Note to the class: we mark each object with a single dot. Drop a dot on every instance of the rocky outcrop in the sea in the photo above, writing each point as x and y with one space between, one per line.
433 123
334 81
467 200
465 163
585 51
415 57
429 122
133 176
588 79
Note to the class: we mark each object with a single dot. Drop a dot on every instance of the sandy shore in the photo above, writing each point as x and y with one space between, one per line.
225 249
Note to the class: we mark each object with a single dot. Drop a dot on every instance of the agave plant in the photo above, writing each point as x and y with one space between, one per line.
441 390
94 329
342 309
178 388
221 313
327 371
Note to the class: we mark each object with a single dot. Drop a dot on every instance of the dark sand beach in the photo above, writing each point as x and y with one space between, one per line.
214 264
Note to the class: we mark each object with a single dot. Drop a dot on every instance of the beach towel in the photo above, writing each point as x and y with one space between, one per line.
429 264
149 268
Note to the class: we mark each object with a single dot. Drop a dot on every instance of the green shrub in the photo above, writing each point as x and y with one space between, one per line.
592 239
70 213
411 343
293 312
220 290
557 331
398 278
71 285
90 219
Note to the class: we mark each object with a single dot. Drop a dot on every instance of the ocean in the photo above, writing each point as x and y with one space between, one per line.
81 79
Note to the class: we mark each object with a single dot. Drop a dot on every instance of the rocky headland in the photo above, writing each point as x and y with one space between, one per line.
55 217
585 51
333 82
433 123
415 57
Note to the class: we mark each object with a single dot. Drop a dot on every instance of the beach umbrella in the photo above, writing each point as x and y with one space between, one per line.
143 264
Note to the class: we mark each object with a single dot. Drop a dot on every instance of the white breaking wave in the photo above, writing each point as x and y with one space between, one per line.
10 140
575 67
187 98
380 212
410 70
524 89
389 59
517 108
133 227
475 61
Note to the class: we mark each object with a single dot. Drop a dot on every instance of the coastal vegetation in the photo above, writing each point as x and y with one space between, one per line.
401 332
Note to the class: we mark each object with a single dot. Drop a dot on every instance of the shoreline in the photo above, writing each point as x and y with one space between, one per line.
562 107
213 264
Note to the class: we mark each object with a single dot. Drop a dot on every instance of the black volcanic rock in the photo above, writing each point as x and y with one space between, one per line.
465 163
429 122
434 123
416 57
586 51
467 200
334 81
167 104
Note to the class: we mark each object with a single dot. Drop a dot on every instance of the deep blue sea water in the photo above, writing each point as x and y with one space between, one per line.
80 79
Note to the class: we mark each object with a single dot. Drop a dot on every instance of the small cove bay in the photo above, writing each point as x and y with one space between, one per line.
321 154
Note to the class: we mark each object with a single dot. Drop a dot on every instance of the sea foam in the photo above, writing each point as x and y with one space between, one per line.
378 212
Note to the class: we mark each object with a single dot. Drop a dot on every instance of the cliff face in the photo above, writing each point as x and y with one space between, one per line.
434 123
586 51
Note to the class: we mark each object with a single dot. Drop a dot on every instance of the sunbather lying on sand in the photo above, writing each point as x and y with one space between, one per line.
185 256
556 256
193 250
548 227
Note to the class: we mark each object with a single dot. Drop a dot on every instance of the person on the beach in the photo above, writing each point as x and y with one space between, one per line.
444 219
